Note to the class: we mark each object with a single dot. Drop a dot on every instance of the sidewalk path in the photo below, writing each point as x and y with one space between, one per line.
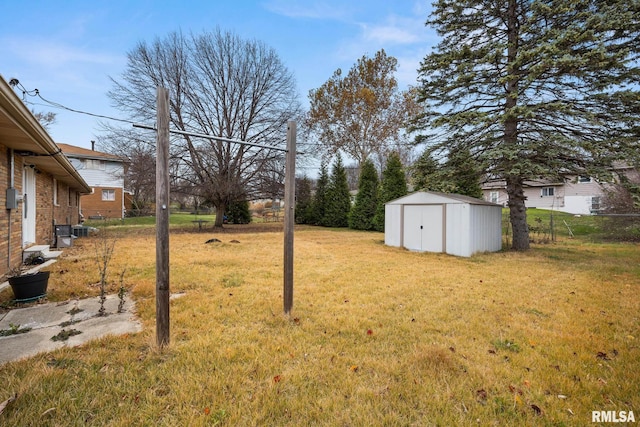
48 320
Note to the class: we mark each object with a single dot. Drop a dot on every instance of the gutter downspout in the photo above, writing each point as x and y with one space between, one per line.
11 185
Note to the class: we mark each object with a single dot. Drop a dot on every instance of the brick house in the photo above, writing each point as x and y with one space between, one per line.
105 175
39 187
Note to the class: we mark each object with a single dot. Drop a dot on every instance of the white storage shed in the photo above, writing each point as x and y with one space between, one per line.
449 223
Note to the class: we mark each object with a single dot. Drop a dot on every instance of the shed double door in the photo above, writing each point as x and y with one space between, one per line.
423 228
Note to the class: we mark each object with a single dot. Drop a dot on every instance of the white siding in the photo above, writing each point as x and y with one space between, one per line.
111 176
577 205
485 229
393 225
588 189
535 199
458 229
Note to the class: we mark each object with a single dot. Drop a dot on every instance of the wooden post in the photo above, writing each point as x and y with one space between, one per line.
289 215
162 218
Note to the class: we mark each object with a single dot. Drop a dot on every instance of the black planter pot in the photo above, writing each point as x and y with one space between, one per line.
30 286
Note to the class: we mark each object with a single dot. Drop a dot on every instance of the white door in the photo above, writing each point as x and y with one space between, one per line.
28 206
423 228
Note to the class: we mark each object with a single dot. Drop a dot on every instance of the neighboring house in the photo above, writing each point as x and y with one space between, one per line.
39 187
580 195
105 175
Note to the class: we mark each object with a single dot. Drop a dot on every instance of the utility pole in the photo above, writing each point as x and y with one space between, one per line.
162 218
289 215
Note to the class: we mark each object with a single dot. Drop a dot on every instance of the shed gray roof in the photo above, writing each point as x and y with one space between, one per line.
433 197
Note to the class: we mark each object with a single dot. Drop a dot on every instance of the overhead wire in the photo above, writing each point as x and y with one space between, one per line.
36 93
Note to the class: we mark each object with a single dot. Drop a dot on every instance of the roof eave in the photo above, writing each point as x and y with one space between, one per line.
35 142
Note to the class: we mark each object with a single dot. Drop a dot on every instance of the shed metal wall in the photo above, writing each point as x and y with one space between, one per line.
458 229
393 225
465 228
485 229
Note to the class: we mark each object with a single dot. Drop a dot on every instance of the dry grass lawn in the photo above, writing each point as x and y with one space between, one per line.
377 336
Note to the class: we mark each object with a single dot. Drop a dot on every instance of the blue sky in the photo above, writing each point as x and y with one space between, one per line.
69 49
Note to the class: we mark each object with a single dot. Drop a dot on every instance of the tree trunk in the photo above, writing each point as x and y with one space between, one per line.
517 209
517 214
221 209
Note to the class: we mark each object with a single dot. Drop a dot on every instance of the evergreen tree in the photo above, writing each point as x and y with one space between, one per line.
393 186
364 209
534 88
239 213
320 198
459 174
464 173
424 173
304 201
338 198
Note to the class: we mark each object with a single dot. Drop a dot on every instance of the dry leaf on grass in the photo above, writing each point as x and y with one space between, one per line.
4 404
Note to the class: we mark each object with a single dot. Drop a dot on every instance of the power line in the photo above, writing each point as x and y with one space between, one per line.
36 93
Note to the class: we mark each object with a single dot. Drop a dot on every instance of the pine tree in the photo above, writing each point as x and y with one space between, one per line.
338 198
304 201
424 173
364 209
239 213
320 198
393 186
459 174
464 173
533 89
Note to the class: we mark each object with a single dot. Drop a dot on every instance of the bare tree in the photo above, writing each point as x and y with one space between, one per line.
218 85
46 119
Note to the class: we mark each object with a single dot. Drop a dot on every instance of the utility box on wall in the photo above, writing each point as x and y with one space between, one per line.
12 198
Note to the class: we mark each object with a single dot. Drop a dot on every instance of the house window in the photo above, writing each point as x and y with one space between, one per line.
109 195
547 192
94 164
595 203
55 192
494 196
584 179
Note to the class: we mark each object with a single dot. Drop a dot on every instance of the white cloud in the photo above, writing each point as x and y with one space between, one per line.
305 9
388 34
396 30
50 54
408 64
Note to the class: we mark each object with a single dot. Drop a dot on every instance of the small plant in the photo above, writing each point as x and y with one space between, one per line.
232 281
64 334
69 323
75 310
122 292
35 258
104 247
13 330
